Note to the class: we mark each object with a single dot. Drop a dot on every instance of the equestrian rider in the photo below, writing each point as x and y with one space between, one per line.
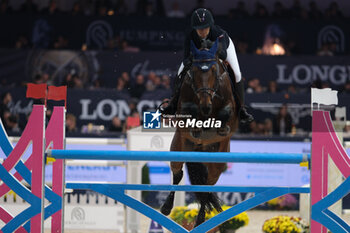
204 33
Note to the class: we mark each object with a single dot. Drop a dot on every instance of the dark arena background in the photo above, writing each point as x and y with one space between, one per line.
119 59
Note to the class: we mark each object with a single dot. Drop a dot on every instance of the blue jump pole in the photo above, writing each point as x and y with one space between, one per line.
180 156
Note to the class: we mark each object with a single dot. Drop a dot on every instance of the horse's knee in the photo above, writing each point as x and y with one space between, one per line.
217 168
177 177
176 167
215 172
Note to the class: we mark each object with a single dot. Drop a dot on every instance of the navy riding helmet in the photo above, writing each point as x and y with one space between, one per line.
201 18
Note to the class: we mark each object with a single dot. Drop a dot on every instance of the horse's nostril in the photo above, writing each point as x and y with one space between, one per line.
206 110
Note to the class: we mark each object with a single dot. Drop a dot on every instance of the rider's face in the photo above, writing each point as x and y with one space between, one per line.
203 33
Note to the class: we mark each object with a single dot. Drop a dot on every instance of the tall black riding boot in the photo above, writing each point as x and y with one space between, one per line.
172 105
244 116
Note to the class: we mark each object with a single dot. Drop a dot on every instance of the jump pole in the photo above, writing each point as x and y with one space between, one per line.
179 156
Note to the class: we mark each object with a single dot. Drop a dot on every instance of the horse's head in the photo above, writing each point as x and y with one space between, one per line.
204 74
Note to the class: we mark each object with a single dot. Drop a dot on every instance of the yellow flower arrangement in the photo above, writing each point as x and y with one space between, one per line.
285 224
188 214
178 214
236 222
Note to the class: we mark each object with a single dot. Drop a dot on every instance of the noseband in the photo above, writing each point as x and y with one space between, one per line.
212 92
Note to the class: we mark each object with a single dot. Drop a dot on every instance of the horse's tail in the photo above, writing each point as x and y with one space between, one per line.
198 175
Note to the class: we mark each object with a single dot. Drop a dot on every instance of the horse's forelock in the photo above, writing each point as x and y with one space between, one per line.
214 47
202 54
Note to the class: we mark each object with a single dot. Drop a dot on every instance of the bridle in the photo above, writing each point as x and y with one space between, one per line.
212 92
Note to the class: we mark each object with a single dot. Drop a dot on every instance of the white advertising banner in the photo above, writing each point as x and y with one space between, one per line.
251 174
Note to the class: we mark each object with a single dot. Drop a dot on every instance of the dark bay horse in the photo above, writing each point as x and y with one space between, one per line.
206 94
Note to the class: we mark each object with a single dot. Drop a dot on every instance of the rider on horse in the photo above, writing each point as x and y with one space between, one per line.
203 35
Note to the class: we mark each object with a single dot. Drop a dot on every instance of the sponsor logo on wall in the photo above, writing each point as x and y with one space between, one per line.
106 109
157 142
78 214
144 69
302 74
332 34
95 217
79 218
98 33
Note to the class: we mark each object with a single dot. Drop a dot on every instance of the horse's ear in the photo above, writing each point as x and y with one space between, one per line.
194 49
214 47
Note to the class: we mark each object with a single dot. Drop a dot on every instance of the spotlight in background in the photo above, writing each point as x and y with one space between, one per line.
272 42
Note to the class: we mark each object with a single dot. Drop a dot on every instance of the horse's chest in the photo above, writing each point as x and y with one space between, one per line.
201 147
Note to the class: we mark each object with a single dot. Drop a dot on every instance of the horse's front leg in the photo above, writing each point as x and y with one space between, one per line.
224 116
215 169
176 168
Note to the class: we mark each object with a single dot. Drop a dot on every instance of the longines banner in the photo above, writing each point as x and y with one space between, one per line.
100 106
167 34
